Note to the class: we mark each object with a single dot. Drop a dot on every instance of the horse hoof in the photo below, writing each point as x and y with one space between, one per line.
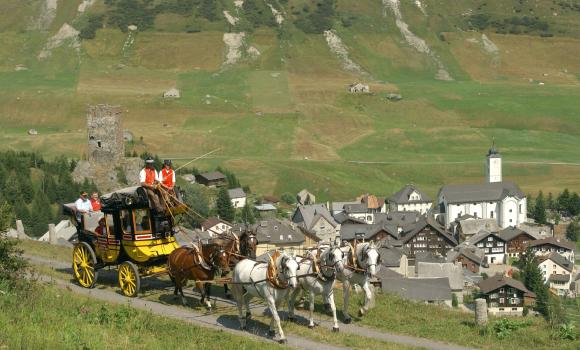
335 329
311 326
283 341
347 320
361 312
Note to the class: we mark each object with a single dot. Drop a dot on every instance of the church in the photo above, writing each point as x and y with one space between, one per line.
495 199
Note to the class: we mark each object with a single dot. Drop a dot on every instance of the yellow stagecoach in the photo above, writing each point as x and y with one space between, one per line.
127 233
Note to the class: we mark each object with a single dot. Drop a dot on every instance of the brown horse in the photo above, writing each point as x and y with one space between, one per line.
200 265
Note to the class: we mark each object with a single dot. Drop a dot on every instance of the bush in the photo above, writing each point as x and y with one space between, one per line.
567 332
504 327
526 311
288 198
94 23
454 301
12 265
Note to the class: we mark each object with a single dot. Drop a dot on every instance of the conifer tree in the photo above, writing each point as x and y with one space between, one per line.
540 209
574 204
41 212
564 200
534 280
21 212
224 206
11 191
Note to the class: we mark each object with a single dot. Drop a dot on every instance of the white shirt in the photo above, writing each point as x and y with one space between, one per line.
142 175
83 205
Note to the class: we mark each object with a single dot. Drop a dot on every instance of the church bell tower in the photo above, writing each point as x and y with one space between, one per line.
493 165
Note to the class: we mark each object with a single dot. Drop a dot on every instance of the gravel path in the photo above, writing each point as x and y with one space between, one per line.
230 323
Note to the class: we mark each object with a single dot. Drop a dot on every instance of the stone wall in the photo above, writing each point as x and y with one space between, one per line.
105 135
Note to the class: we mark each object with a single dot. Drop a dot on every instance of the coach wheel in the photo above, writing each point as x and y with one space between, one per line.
84 261
129 280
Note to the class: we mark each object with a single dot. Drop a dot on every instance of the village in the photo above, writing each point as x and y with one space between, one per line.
464 244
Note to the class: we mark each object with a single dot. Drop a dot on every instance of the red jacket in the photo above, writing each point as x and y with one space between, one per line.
96 204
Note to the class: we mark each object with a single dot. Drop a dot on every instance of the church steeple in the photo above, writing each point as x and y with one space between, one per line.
493 164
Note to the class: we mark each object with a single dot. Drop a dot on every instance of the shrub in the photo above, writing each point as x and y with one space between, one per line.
12 265
504 327
94 23
287 198
454 301
567 332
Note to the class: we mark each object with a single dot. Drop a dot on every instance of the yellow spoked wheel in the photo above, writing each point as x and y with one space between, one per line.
84 261
129 280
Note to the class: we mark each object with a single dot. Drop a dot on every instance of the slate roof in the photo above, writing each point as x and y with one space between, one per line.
212 176
358 208
498 281
419 289
481 235
511 232
391 257
349 231
400 218
402 196
559 278
339 206
553 241
211 222
428 257
485 192
274 231
236 193
424 221
470 252
558 259
343 217
311 213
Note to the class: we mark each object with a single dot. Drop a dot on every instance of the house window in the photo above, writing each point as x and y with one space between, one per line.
502 290
491 214
142 221
511 220
501 300
490 238
510 210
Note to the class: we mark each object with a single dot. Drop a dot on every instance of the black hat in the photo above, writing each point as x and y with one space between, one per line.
167 162
149 160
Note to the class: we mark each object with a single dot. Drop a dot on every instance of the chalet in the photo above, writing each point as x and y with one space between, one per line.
317 219
452 271
505 296
211 179
517 240
215 226
495 199
471 258
305 198
492 245
400 219
373 204
238 197
468 226
273 233
359 211
548 245
426 235
409 198
338 207
557 272
424 290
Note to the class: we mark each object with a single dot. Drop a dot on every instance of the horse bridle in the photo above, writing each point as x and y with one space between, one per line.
365 256
284 268
212 258
331 259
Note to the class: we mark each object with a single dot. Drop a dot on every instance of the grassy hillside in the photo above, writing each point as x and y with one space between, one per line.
284 119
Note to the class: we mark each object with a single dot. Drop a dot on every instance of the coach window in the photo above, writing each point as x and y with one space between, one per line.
125 220
110 225
142 221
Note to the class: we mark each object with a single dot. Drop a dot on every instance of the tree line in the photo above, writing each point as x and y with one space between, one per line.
34 187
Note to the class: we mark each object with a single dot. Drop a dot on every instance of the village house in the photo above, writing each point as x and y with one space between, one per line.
426 235
517 241
492 245
317 219
452 271
305 198
557 272
409 198
368 232
495 199
215 226
468 226
373 204
551 244
505 296
395 259
424 290
271 200
276 234
172 93
266 209
211 179
238 197
338 207
359 211
471 258
342 218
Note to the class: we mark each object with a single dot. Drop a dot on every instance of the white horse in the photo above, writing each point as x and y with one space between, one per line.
318 280
271 282
365 267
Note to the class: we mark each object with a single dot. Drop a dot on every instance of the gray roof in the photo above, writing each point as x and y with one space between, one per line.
349 231
212 176
402 196
474 226
237 193
511 232
343 217
481 235
485 192
560 260
311 213
339 206
424 221
420 289
428 257
561 243
471 252
498 281
274 231
559 278
440 270
357 208
401 218
265 207
391 257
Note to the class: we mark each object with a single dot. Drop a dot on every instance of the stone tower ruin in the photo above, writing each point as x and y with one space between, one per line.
105 133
